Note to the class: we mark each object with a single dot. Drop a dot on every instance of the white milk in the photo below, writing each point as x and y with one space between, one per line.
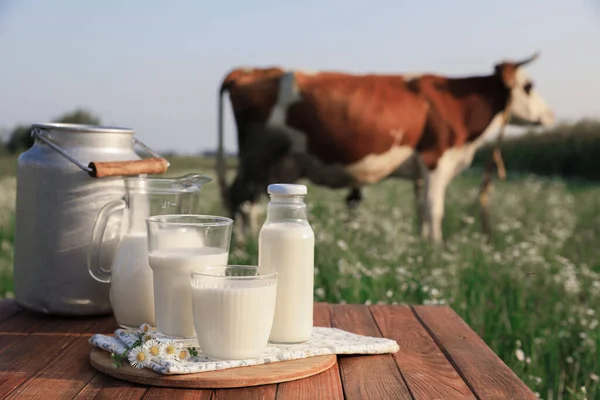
288 248
233 323
131 290
172 286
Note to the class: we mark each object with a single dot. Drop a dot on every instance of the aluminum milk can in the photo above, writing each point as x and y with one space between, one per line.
63 181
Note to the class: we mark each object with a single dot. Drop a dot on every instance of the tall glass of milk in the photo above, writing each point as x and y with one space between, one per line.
233 310
286 244
177 246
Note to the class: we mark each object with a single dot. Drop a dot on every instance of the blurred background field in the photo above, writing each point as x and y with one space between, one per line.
533 295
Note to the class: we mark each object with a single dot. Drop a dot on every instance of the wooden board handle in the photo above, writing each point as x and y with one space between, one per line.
147 166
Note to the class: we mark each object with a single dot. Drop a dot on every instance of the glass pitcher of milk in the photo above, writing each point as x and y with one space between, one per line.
286 243
129 274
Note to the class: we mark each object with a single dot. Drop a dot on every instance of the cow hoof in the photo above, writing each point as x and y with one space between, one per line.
352 204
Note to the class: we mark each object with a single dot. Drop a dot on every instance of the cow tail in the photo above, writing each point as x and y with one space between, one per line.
220 164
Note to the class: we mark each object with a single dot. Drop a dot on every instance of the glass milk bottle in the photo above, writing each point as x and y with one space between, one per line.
286 243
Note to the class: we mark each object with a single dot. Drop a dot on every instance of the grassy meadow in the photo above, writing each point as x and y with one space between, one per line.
533 295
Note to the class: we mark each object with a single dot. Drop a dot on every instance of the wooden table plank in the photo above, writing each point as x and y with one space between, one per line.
263 392
105 387
69 373
25 353
62 379
23 359
425 368
366 376
23 322
326 385
105 325
480 367
178 394
8 340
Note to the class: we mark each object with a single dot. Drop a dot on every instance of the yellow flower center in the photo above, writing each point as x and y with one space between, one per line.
140 357
170 350
182 354
146 328
154 350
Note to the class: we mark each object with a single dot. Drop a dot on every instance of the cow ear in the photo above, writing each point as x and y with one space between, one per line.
506 72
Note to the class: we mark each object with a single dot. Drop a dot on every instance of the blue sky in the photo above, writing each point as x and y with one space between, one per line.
156 66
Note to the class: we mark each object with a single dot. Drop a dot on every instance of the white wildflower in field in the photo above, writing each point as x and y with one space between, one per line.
535 379
8 194
342 245
520 354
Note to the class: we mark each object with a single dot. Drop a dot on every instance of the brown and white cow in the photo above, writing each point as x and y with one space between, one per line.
346 130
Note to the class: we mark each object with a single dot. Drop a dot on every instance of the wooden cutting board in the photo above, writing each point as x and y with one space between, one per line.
254 375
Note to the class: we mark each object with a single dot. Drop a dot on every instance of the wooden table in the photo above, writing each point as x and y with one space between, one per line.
440 357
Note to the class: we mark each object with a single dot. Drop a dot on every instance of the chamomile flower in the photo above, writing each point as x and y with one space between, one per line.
138 357
183 354
148 336
153 347
145 328
170 349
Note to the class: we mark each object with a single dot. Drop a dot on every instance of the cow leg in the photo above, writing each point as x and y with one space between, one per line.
436 192
354 198
419 191
261 150
243 199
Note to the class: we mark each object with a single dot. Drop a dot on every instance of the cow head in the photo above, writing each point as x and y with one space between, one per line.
527 106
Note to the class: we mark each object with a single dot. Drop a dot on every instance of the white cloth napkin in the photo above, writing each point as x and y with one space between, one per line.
323 341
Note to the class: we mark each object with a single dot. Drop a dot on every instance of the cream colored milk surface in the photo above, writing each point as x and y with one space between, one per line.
233 323
131 289
172 285
288 248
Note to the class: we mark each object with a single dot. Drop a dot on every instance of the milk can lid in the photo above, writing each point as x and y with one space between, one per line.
287 189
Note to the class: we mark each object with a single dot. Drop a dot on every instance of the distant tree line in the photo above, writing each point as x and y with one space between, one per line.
570 150
19 139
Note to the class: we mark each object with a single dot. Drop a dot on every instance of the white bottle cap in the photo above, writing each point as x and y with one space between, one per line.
287 189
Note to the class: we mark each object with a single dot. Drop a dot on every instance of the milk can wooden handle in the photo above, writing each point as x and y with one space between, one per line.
99 169
153 165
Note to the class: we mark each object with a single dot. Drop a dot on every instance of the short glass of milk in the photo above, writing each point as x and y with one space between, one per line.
178 245
233 308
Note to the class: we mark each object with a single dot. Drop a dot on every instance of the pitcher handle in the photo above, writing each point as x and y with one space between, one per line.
93 260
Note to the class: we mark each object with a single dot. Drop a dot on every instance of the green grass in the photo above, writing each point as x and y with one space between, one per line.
534 296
